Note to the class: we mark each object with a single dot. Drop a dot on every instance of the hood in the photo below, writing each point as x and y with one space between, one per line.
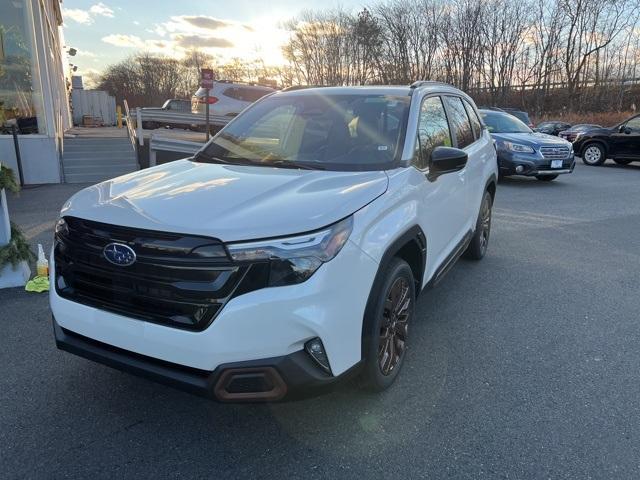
535 139
227 202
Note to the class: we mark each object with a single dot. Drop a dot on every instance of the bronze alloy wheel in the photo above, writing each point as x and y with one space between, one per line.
485 224
393 330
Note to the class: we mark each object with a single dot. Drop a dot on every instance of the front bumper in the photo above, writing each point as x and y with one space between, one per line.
263 324
272 379
531 165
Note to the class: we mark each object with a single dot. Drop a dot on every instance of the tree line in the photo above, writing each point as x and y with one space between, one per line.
541 55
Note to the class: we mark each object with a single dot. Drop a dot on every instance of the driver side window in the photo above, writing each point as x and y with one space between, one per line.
433 131
634 124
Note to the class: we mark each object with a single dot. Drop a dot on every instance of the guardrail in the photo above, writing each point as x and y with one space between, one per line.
164 144
168 117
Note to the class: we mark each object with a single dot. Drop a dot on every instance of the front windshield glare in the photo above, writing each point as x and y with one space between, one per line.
336 132
504 123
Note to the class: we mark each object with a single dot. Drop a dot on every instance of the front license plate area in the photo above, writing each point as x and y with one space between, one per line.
556 163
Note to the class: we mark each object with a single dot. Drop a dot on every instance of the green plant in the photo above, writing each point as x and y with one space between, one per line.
8 180
16 250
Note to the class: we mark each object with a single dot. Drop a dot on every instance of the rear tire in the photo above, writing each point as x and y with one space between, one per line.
546 178
390 318
480 240
593 154
621 161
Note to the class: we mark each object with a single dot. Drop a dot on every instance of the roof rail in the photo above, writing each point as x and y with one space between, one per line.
423 83
300 87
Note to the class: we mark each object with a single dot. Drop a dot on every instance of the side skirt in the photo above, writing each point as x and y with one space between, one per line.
451 260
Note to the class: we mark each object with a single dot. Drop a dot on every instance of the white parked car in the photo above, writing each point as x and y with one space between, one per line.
228 99
288 253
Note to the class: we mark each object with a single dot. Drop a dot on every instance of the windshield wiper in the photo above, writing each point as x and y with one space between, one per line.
291 164
200 156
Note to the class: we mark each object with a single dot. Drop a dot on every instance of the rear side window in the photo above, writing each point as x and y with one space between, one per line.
433 130
252 94
475 121
245 94
460 123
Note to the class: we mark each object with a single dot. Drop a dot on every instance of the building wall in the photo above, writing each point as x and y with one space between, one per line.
39 28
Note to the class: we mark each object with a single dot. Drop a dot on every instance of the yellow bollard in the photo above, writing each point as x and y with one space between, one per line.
119 115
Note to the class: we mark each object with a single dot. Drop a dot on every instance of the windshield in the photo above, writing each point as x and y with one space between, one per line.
503 123
333 132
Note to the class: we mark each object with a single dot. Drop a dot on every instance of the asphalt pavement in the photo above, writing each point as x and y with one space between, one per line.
525 365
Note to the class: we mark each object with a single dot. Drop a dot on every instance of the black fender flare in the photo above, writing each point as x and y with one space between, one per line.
413 234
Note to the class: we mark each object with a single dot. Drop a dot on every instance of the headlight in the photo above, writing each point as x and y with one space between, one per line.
61 227
294 259
516 147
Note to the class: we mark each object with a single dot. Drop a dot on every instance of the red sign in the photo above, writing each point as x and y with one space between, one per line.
206 78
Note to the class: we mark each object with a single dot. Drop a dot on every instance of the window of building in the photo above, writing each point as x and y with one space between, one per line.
20 89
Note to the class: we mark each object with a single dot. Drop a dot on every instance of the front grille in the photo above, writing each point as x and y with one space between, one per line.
555 153
171 282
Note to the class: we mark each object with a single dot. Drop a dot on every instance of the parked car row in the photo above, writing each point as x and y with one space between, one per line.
521 151
593 143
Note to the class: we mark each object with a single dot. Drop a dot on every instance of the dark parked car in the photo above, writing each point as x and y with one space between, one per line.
521 151
552 127
620 143
519 114
572 133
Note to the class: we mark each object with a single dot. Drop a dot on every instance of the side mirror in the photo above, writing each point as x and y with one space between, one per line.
624 129
446 160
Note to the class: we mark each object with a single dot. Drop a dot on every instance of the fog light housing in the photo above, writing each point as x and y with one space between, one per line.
519 169
315 349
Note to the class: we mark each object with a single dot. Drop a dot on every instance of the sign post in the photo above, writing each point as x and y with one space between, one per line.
206 82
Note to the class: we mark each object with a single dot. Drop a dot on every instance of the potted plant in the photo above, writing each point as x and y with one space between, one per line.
15 253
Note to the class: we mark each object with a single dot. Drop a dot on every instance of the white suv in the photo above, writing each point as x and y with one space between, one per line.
227 98
285 255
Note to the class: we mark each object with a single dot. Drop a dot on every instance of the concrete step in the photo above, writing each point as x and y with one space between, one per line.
127 168
99 157
115 148
89 177
89 162
88 145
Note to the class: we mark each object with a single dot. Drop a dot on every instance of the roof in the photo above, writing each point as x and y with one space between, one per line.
398 90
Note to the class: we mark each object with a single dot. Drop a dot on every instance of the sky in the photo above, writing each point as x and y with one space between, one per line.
109 31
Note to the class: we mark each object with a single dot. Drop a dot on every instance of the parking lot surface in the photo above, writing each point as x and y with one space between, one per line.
524 365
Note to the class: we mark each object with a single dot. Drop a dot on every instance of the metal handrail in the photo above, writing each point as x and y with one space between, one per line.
131 133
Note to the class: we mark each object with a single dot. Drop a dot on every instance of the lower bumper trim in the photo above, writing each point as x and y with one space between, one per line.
271 379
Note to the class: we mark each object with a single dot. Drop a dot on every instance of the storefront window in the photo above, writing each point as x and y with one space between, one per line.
20 88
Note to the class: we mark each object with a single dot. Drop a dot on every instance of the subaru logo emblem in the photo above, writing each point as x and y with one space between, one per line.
119 254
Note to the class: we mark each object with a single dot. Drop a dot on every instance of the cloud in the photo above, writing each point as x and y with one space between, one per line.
204 22
87 17
101 9
187 41
122 40
77 15
85 53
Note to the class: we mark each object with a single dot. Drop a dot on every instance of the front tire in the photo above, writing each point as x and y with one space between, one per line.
593 154
393 311
546 178
480 240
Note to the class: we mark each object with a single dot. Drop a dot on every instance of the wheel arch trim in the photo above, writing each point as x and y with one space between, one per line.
413 234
